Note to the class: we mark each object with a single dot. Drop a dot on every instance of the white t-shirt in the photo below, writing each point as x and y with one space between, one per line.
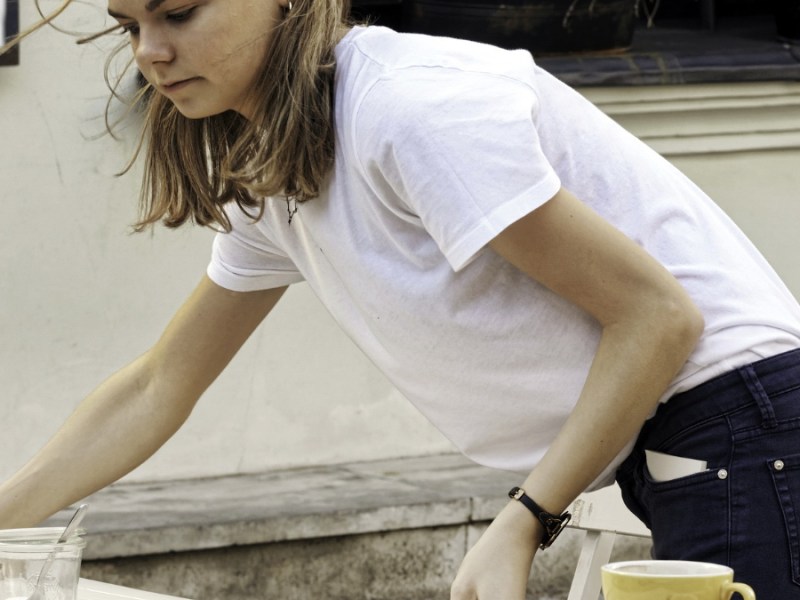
440 145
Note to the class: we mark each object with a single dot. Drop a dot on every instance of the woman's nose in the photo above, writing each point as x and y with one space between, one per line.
153 46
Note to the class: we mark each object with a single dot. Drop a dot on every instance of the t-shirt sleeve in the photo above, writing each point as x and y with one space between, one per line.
245 260
461 149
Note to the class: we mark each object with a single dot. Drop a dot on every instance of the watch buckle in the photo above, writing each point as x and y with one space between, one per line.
516 493
553 528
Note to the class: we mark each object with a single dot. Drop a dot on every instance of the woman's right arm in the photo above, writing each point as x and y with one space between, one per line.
129 416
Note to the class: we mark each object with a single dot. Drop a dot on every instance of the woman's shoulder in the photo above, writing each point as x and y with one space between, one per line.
390 81
407 57
429 96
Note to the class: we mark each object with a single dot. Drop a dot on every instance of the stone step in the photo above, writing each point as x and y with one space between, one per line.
392 529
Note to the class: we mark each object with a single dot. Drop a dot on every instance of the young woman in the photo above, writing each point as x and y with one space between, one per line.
549 292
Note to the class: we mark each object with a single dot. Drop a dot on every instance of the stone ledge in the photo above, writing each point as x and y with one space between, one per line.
707 119
137 519
384 530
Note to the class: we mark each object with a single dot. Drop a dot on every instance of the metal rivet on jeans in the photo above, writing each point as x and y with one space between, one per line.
778 465
722 473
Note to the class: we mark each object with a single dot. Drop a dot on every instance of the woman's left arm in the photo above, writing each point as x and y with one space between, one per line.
649 328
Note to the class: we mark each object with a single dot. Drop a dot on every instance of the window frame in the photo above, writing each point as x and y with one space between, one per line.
10 27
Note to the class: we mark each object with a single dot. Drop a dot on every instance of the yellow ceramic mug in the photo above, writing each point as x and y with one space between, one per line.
671 580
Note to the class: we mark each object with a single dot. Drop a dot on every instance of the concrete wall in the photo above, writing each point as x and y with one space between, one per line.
80 297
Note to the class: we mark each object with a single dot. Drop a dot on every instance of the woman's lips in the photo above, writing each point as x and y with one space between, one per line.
178 85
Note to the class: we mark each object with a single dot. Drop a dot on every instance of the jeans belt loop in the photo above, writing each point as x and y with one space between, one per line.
753 384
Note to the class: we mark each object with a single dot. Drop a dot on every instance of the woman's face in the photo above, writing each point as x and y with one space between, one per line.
204 55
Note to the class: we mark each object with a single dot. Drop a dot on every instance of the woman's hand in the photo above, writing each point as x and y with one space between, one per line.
498 565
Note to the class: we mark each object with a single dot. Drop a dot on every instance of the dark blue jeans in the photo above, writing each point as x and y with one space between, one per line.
745 510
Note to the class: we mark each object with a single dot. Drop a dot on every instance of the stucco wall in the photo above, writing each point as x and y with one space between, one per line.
761 191
80 297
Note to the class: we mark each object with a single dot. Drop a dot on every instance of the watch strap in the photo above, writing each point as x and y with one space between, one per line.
553 524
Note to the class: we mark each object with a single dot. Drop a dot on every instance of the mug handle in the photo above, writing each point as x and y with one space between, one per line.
744 590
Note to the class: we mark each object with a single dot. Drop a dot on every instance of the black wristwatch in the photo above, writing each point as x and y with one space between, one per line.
553 524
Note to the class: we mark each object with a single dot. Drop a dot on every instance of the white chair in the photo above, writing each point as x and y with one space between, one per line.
97 590
603 515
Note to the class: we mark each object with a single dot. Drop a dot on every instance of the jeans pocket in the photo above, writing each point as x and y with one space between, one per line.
786 477
689 516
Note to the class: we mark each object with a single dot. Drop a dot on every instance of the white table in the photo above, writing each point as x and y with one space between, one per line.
97 590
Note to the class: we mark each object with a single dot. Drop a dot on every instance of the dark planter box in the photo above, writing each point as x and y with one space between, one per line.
541 26
787 19
388 13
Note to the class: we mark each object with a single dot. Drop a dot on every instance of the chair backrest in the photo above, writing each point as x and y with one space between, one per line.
604 510
603 516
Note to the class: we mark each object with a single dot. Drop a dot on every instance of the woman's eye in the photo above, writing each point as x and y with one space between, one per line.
182 15
177 17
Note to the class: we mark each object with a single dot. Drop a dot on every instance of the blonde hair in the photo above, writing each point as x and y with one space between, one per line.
194 167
